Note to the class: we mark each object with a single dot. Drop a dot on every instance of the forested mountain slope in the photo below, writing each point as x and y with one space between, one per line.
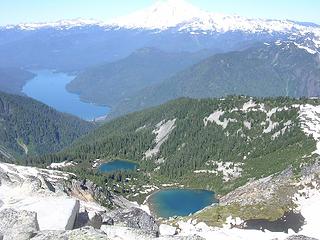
215 144
28 127
12 80
266 70
110 83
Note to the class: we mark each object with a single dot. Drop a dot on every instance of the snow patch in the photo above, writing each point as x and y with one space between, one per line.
309 116
167 230
272 125
286 127
215 117
309 50
191 227
308 200
141 128
247 124
162 132
229 170
246 106
62 165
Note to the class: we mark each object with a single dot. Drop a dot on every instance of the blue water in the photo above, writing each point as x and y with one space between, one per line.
117 165
180 202
49 87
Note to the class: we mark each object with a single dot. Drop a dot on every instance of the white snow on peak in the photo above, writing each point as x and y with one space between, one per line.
179 13
161 15
62 24
184 17
309 50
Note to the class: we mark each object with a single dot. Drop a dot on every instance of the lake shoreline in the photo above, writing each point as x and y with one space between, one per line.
49 87
117 165
156 212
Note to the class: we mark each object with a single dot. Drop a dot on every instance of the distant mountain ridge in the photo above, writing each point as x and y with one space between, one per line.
165 26
180 14
283 68
110 83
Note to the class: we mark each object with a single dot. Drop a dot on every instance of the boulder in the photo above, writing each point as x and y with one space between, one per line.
86 233
133 218
88 219
53 213
95 221
107 220
86 190
17 225
167 230
126 233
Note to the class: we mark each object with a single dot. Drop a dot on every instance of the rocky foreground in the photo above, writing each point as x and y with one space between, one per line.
46 204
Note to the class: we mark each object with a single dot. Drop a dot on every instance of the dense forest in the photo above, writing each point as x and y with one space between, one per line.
258 140
107 84
12 80
28 127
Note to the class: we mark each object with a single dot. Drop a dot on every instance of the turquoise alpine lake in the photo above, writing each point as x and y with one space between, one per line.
117 165
180 202
49 87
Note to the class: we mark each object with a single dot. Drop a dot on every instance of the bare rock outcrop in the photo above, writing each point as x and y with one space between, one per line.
132 218
87 233
18 225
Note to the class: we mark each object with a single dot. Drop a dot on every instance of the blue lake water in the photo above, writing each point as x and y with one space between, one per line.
49 87
180 202
117 165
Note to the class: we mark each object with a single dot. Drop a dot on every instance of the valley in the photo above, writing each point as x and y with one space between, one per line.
168 123
239 139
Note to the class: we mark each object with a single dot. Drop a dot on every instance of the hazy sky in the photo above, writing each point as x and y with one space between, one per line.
17 11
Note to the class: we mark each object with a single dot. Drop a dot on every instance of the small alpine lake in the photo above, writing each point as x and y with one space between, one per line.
180 202
117 165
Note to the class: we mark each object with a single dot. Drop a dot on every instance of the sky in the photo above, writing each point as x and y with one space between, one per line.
22 11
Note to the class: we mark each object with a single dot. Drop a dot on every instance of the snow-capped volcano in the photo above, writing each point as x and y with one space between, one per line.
168 25
179 13
162 15
184 17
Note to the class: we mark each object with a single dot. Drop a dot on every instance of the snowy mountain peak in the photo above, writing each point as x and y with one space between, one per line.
184 16
161 15
62 24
